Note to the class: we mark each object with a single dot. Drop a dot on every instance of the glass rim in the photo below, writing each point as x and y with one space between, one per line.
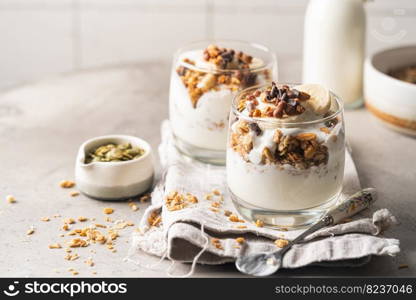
265 49
276 121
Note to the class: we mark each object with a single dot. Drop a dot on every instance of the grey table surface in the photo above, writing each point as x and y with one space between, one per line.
42 125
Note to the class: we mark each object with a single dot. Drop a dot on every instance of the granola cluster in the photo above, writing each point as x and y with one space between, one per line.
177 201
301 151
227 58
238 74
281 102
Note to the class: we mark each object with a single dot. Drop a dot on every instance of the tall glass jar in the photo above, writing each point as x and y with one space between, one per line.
286 172
205 77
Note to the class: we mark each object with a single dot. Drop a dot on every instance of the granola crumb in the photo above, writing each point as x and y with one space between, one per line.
208 196
241 227
10 199
215 204
66 184
215 210
216 192
240 240
144 198
403 266
133 206
108 210
55 246
65 227
259 223
69 221
216 243
154 219
89 262
227 213
74 194
30 231
75 243
71 257
281 243
45 219
235 218
82 219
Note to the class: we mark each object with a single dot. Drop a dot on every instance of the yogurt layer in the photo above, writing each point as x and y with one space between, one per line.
284 187
277 161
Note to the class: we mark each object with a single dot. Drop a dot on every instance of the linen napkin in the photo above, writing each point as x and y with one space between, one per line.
203 234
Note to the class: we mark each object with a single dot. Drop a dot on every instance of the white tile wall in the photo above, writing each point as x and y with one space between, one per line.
43 37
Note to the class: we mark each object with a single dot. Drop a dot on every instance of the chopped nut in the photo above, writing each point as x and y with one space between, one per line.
108 210
259 223
281 243
66 184
74 194
240 240
10 199
55 246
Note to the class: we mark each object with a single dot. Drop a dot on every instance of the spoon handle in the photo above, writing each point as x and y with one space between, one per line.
325 221
354 204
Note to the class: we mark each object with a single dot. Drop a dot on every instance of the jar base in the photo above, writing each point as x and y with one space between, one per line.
280 219
214 157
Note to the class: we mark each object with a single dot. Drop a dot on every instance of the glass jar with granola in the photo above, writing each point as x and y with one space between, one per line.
286 153
205 78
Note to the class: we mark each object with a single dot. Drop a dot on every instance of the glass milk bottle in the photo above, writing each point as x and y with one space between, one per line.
334 45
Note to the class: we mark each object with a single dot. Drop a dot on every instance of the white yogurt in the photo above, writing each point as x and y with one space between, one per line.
282 187
204 126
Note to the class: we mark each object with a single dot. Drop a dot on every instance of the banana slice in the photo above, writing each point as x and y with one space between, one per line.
320 100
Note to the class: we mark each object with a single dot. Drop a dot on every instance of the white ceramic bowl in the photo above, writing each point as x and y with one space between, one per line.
114 180
391 100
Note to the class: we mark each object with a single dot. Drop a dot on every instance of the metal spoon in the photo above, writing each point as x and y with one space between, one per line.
264 264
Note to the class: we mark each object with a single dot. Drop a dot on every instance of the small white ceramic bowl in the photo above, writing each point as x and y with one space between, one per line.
114 180
391 100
